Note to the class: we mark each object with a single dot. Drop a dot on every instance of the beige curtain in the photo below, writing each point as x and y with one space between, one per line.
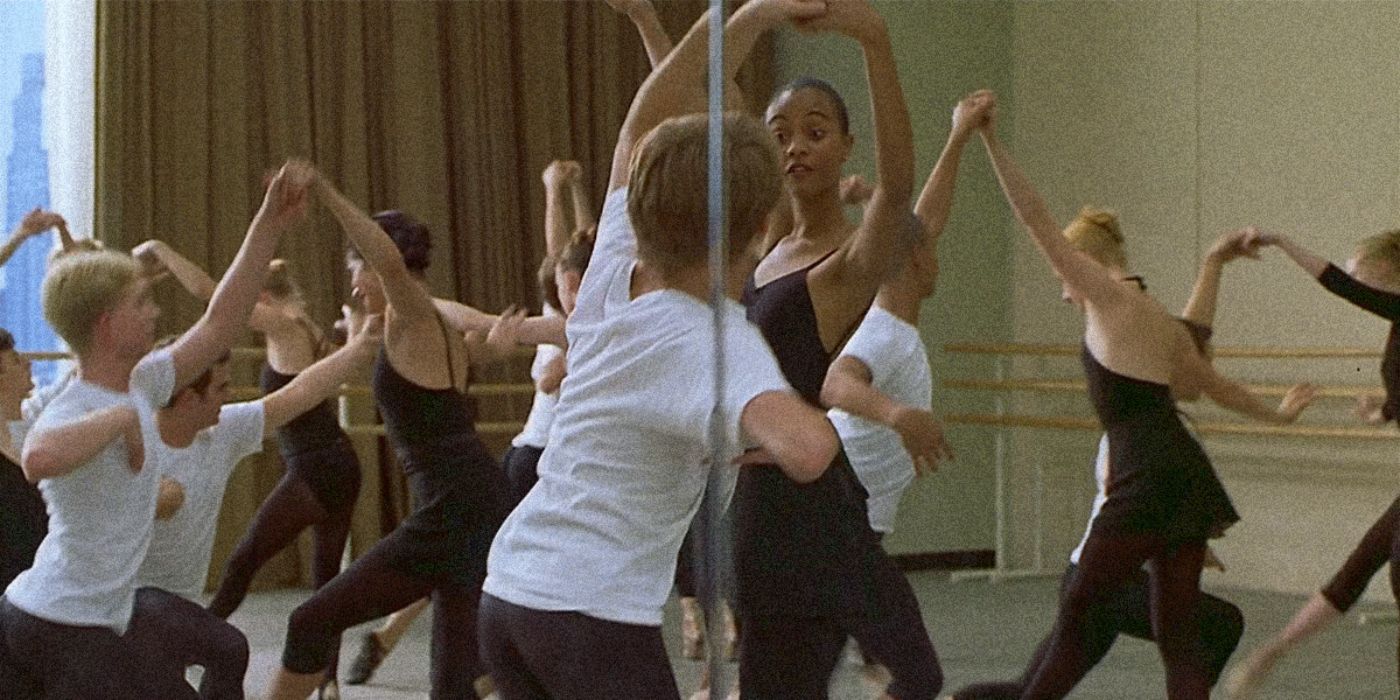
448 110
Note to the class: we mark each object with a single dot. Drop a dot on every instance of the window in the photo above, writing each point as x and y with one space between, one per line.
46 127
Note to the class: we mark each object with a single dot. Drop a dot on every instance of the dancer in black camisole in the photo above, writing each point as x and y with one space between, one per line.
458 490
1163 498
809 570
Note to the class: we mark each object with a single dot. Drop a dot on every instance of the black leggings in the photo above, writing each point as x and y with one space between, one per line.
67 662
1107 565
539 655
1129 610
186 634
787 657
372 588
521 465
292 507
1379 545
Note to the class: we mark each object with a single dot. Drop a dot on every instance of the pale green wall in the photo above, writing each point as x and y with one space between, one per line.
1188 118
944 51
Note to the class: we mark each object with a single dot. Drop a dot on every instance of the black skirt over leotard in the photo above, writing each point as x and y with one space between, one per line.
800 548
1159 479
458 489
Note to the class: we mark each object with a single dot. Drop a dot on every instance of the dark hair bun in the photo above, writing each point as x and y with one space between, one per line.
409 235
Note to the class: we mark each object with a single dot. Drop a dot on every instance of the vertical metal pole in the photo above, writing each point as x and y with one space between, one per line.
716 532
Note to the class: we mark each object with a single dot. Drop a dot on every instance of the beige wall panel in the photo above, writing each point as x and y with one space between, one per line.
1300 132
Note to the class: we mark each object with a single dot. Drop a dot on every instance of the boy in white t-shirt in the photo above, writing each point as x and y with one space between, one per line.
202 439
73 621
880 387
626 464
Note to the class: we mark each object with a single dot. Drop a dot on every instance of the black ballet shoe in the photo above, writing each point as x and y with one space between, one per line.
366 662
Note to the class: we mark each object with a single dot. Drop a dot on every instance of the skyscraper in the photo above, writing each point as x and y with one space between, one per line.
28 187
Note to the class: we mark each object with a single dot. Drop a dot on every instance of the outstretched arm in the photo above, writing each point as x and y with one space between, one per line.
227 314
322 379
1378 301
1200 308
848 387
674 84
533 330
1234 396
1077 269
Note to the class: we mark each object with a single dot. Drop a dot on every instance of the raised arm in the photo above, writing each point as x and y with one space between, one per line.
1378 301
322 380
936 200
1200 308
227 314
672 87
867 256
584 213
643 15
34 223
848 387
410 301
557 226
1077 269
155 253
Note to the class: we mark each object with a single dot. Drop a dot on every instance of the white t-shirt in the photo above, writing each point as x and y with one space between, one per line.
628 454
100 514
898 362
178 558
536 430
34 404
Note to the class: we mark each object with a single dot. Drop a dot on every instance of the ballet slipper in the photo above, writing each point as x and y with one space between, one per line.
1245 679
329 690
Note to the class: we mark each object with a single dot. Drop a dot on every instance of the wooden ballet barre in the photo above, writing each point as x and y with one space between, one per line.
1046 349
1333 391
1218 428
488 427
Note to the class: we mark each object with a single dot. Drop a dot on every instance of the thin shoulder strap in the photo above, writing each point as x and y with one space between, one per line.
447 351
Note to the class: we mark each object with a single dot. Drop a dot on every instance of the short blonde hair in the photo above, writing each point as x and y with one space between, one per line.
82 286
668 199
1383 247
1095 232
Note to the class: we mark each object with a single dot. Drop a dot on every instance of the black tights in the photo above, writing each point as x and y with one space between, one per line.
1221 622
1108 563
372 588
289 509
1379 545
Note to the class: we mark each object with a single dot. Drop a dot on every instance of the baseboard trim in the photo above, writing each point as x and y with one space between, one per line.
947 561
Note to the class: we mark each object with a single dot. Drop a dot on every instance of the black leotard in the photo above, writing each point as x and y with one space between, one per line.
458 489
1159 479
799 548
